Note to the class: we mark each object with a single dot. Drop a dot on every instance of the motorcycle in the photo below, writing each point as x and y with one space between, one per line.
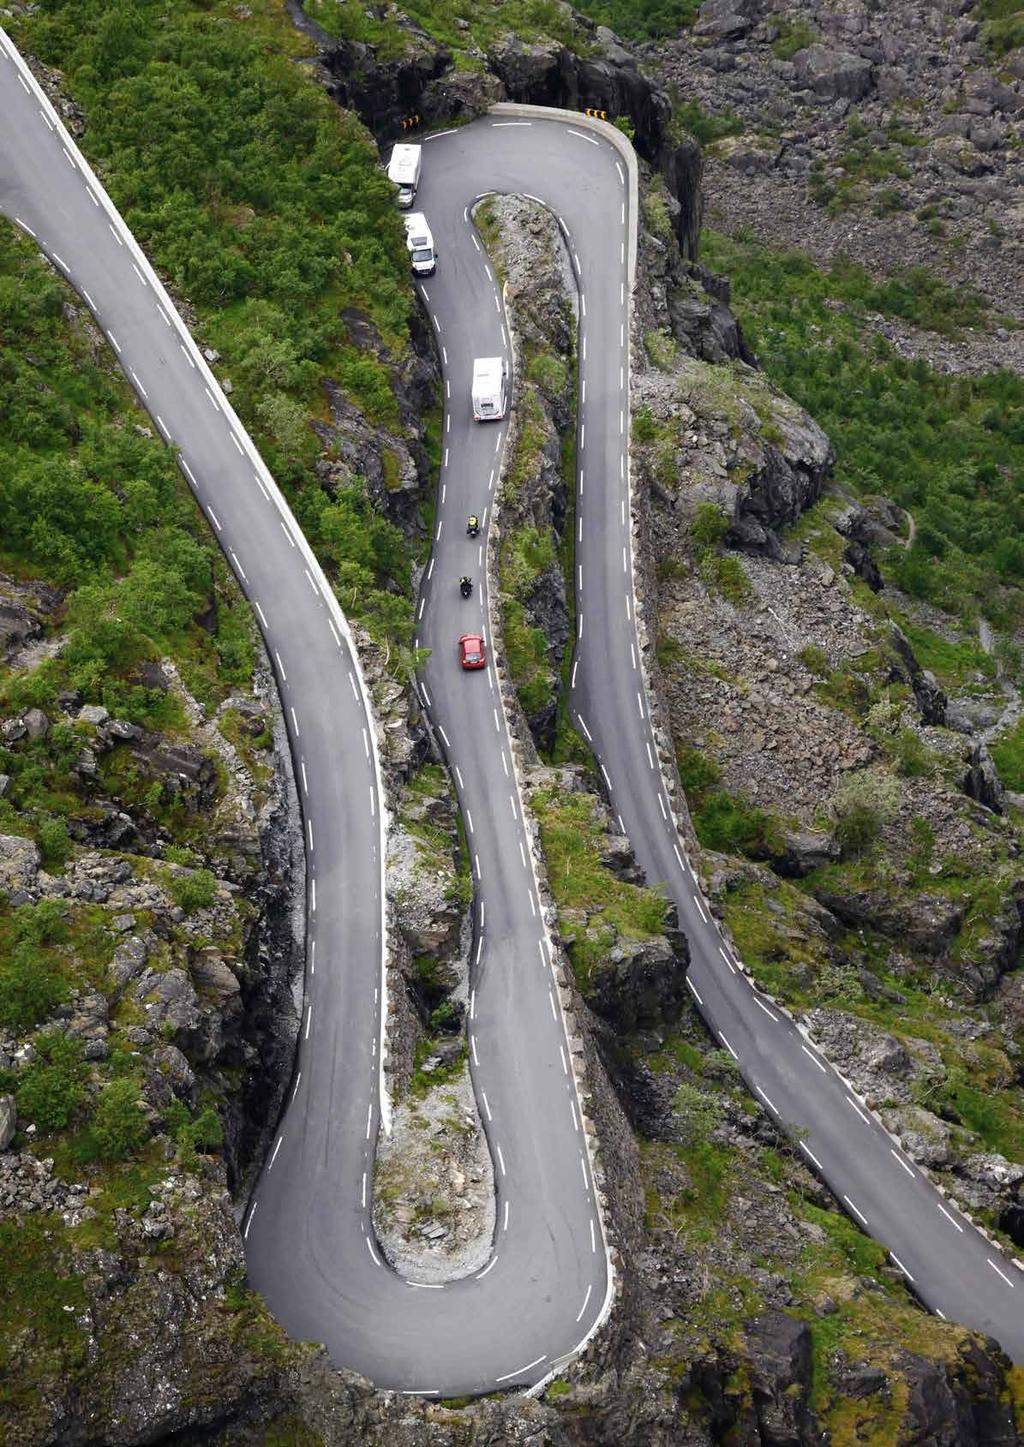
472 525
465 586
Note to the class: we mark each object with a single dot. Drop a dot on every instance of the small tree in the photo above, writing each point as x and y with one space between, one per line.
54 842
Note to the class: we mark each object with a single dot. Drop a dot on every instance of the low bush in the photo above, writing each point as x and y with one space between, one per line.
32 980
861 807
119 1126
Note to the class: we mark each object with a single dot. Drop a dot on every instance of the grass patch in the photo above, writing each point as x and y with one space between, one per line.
955 664
725 822
1008 753
705 126
1002 24
572 831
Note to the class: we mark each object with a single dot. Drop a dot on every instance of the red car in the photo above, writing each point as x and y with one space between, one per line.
471 651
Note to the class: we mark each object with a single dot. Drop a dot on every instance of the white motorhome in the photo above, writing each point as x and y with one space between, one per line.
490 388
404 171
420 242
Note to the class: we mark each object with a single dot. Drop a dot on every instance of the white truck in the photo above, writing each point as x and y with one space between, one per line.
490 388
404 172
420 241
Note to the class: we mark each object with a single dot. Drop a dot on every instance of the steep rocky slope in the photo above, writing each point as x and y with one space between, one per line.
890 136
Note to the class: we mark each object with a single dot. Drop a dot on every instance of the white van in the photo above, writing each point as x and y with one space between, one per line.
404 172
420 242
490 388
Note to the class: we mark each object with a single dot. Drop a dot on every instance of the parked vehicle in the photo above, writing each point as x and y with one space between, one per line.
404 171
490 388
471 651
419 240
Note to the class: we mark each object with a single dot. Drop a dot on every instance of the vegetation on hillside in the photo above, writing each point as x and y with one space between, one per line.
1002 24
96 506
948 448
92 502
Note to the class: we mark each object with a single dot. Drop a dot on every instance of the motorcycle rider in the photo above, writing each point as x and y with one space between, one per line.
465 585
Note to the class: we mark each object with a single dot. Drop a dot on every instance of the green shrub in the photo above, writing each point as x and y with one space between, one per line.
195 890
52 1087
549 372
793 35
643 19
911 755
861 807
724 821
697 772
695 1113
730 824
709 525
1008 755
119 1126
31 987
446 1019
645 429
54 842
705 126
814 659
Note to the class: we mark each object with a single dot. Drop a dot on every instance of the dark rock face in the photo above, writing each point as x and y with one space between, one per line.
932 924
864 565
383 93
803 851
926 922
931 700
788 480
641 984
960 1408
549 74
780 1349
683 169
423 82
982 781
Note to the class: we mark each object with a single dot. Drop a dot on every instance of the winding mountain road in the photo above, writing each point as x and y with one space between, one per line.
309 1236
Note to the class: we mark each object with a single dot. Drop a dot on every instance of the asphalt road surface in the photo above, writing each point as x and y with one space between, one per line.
309 1237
